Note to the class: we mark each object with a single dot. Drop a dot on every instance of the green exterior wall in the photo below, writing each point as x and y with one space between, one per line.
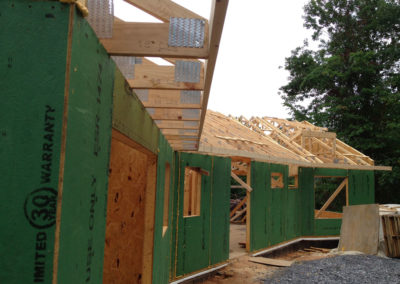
203 241
131 118
274 212
35 60
84 199
163 243
282 214
32 72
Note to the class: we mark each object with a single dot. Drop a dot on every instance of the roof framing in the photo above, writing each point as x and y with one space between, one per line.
280 141
159 87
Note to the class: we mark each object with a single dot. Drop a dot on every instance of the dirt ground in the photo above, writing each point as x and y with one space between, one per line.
241 271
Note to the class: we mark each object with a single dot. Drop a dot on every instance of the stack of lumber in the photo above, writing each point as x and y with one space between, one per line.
391 234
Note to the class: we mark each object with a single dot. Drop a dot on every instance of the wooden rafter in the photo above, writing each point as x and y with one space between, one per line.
166 99
162 77
148 39
217 18
163 9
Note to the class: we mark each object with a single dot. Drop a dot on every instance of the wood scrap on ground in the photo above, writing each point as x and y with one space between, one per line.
271 261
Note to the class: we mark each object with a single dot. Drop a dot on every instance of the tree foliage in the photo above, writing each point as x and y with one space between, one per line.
351 84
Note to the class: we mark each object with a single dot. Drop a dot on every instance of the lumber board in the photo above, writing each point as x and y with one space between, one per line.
333 196
217 18
165 99
172 114
318 134
177 124
149 39
248 206
161 77
271 261
150 202
242 183
163 9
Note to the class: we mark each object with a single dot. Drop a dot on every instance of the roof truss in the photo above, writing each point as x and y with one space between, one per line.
178 94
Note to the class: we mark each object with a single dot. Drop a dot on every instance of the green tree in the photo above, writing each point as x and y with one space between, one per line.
351 83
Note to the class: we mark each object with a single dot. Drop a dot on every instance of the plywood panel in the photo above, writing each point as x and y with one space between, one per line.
123 254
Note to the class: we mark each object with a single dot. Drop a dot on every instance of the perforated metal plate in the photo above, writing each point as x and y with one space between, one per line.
190 97
151 110
101 17
187 71
185 131
143 94
191 113
126 64
190 124
185 32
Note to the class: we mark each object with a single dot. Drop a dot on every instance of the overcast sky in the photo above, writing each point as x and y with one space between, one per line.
256 38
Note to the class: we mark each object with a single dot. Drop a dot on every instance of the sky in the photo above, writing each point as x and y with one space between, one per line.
257 36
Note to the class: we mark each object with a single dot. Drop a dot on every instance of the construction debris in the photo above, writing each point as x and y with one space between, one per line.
271 261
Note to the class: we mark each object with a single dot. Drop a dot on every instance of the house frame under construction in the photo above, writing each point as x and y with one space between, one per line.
112 169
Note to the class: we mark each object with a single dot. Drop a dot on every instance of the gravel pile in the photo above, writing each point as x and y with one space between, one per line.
341 269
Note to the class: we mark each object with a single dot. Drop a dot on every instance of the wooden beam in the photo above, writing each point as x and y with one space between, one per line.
163 9
242 183
217 19
240 204
248 209
318 134
161 77
172 114
332 197
210 150
166 99
188 132
150 200
148 39
177 124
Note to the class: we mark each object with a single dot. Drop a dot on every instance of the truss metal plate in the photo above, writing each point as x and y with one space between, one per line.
190 124
126 64
151 110
190 113
187 71
190 97
184 32
143 94
101 17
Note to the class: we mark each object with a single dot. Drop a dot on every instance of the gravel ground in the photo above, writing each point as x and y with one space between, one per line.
341 269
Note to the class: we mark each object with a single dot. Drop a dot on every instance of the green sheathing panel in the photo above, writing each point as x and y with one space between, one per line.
278 212
83 217
275 213
294 209
203 240
306 187
33 48
330 172
260 203
220 203
194 232
327 227
361 187
162 243
131 118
